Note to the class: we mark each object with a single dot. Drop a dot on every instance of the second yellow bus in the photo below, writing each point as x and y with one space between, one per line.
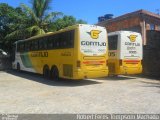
125 52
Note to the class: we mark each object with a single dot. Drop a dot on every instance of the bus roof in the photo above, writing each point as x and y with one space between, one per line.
51 33
122 32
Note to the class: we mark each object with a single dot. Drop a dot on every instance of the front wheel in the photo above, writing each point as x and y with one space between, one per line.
54 73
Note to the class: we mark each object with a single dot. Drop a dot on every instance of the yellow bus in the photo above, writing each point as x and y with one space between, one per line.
125 52
76 52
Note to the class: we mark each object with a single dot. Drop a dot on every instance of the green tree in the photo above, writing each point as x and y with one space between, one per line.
11 19
65 22
39 19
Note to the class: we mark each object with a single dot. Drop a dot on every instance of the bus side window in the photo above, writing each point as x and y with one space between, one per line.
30 45
112 42
27 46
53 42
22 47
57 43
50 42
18 47
45 42
42 43
63 40
35 45
71 39
67 40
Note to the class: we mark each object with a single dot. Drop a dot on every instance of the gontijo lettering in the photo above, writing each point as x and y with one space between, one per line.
90 43
39 54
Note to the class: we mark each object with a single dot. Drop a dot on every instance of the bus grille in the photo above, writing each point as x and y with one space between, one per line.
67 70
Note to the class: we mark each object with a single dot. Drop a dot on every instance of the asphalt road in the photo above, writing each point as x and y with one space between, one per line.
30 93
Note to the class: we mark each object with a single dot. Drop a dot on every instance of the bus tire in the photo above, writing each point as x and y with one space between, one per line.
18 67
54 73
46 72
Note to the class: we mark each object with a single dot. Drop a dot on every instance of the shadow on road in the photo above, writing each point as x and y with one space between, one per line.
151 84
117 78
148 76
61 82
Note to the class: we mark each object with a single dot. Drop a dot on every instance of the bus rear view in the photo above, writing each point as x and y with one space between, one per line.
125 52
93 52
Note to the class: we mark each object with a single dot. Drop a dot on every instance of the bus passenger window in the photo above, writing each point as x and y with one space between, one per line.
34 45
112 42
30 46
61 40
64 41
27 46
22 47
56 41
53 39
71 37
18 47
43 44
50 42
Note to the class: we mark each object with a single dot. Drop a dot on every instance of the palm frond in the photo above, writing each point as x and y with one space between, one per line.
25 33
35 30
40 32
47 4
16 35
40 7
30 12
52 15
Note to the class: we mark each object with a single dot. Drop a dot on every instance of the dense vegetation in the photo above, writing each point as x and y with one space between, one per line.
23 22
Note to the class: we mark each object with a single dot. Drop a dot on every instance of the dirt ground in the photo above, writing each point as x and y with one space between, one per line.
31 93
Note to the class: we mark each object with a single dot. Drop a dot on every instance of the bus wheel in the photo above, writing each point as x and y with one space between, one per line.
46 71
18 67
54 73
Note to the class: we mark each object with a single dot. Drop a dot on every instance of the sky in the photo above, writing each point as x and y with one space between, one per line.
90 10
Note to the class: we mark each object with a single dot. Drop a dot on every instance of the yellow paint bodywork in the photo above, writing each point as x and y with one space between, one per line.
70 56
117 68
125 69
